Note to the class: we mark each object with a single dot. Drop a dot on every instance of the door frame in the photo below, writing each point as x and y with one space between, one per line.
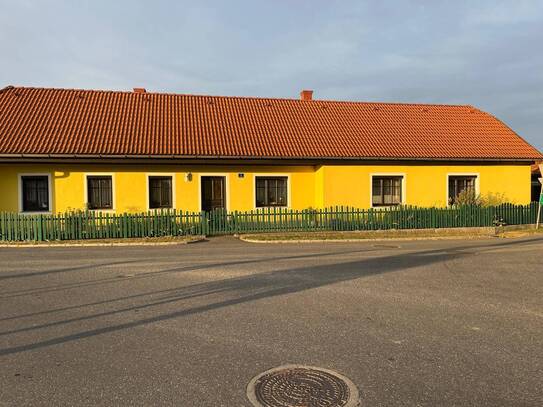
226 177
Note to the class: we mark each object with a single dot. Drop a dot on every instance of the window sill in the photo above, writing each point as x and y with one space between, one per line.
387 206
102 210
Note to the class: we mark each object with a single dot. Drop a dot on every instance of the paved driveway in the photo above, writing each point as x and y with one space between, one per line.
411 323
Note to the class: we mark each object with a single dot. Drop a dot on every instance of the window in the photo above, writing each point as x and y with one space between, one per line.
160 192
99 192
271 191
386 191
35 193
460 183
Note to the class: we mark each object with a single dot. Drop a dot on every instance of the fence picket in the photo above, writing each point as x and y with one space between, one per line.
97 225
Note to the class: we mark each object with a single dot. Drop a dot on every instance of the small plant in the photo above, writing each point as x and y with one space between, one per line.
493 199
467 198
311 215
498 221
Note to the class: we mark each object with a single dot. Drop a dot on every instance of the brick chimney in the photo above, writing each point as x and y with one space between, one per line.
306 95
140 90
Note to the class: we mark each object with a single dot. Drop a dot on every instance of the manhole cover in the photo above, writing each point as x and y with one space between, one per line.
302 386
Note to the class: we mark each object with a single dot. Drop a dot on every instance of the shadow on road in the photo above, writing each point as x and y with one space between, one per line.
254 287
108 280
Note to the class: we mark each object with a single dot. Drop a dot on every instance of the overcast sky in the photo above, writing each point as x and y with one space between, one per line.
484 53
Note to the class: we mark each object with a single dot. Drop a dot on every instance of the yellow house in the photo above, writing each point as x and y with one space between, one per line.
63 150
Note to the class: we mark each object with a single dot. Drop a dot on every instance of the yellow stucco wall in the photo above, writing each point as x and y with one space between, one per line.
424 185
130 185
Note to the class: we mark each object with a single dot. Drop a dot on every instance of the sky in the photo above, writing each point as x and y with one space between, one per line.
484 53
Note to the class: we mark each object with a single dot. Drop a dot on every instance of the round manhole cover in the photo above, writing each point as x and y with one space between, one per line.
302 386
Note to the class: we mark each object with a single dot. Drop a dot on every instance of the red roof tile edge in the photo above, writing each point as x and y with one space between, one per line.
76 123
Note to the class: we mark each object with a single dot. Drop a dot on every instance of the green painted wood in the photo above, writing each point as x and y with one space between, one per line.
97 225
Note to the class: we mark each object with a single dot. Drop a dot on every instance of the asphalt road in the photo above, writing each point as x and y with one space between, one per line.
425 323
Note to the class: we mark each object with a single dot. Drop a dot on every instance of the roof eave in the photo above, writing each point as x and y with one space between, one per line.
170 157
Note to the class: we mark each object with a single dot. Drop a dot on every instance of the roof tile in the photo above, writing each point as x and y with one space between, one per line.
88 122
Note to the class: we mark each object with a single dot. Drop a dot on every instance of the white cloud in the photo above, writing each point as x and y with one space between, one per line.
484 53
505 12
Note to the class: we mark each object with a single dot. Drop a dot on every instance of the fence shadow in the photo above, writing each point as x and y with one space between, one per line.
63 270
234 291
151 274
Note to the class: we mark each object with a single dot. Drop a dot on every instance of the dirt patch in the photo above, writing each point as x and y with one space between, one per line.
355 236
405 234
513 234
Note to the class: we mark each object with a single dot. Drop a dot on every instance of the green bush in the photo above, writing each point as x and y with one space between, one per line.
469 198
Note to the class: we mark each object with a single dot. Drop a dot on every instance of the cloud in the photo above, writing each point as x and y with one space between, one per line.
484 53
505 12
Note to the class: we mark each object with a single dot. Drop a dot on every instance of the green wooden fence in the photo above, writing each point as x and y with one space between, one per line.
96 225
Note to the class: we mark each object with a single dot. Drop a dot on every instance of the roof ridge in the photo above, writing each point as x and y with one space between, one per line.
55 121
8 87
243 97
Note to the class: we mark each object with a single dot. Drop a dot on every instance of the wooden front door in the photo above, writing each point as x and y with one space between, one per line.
213 193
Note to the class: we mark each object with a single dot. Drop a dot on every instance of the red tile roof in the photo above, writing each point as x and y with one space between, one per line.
87 122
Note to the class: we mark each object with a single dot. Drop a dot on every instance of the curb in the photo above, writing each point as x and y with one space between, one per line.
408 235
386 239
103 244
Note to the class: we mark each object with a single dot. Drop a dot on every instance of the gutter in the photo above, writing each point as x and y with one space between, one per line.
218 159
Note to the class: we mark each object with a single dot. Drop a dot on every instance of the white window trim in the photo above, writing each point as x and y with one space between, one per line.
86 188
272 174
49 191
226 177
389 174
463 174
147 196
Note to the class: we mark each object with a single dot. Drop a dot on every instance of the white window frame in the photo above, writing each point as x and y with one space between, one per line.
226 177
389 174
272 174
86 189
463 174
160 174
49 191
